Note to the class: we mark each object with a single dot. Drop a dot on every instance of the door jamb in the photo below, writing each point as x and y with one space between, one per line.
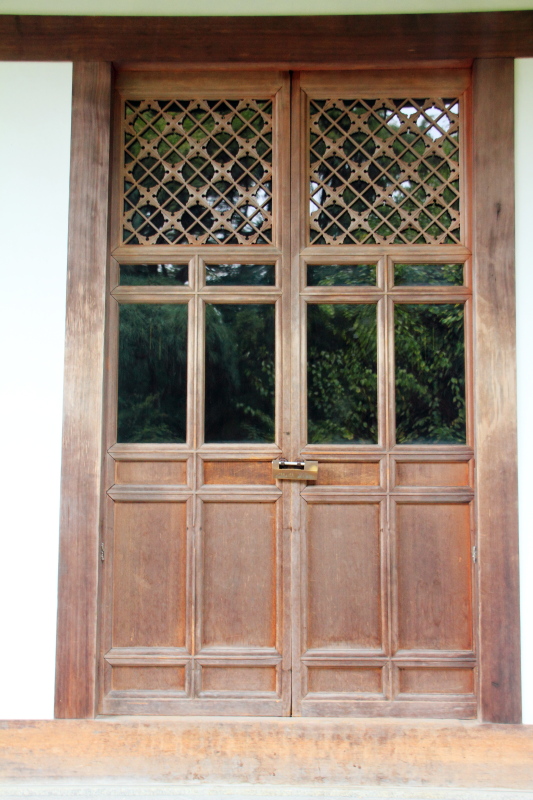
495 391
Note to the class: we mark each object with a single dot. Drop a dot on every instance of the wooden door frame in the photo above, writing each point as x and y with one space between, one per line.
465 37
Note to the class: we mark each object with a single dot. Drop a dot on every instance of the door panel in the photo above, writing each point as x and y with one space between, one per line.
308 305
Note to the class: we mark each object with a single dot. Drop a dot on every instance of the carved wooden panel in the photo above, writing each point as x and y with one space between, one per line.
197 171
384 171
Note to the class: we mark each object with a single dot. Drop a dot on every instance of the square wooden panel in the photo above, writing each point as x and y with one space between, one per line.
342 576
434 576
149 566
238 575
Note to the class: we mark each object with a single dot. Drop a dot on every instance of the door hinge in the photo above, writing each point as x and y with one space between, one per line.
474 554
102 551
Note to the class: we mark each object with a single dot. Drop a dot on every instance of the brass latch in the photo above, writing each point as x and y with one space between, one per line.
284 470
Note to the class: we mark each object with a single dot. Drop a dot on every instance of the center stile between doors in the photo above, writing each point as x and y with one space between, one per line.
290 278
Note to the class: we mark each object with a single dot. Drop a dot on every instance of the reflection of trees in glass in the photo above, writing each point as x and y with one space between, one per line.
428 274
342 373
152 373
430 374
154 274
240 367
341 275
240 274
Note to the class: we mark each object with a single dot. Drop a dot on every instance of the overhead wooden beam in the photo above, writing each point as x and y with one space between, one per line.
292 41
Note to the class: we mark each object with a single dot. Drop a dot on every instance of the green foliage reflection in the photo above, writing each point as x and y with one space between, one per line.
342 374
430 374
152 373
239 391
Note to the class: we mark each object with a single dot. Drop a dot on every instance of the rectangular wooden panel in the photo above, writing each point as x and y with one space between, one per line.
436 680
343 473
238 679
149 575
343 575
432 473
148 678
239 575
344 679
434 566
163 473
238 472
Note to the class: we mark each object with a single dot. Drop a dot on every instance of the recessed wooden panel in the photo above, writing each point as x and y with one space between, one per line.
149 575
238 679
344 679
238 472
348 474
343 575
436 680
432 473
434 576
239 574
149 678
163 473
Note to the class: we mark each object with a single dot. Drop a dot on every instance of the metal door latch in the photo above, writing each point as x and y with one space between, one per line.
284 470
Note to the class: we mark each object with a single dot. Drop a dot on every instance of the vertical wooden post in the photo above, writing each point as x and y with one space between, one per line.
495 389
83 393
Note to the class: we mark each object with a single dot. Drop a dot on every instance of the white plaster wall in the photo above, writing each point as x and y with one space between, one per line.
35 100
35 109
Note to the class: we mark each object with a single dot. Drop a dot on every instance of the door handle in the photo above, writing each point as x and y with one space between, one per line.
284 470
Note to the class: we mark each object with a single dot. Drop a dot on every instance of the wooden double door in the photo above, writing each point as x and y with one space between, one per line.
289 278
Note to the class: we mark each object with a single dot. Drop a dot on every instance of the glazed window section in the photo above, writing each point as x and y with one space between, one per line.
197 172
384 171
154 274
240 274
342 385
430 373
239 372
152 373
341 274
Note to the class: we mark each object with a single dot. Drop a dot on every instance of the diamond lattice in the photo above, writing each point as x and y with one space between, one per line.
197 172
384 171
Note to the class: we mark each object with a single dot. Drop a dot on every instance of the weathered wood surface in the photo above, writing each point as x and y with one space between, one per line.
296 41
337 752
495 390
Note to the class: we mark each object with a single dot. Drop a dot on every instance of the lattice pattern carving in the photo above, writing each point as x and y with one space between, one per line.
197 172
384 171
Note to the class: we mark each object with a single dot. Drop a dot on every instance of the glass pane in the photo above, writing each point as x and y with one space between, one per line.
341 275
428 274
240 274
154 274
342 374
430 374
239 373
152 373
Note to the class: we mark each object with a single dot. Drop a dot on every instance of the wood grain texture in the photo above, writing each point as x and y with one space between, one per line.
342 752
83 392
340 40
495 389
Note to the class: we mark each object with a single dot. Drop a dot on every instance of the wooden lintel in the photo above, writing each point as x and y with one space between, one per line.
298 41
